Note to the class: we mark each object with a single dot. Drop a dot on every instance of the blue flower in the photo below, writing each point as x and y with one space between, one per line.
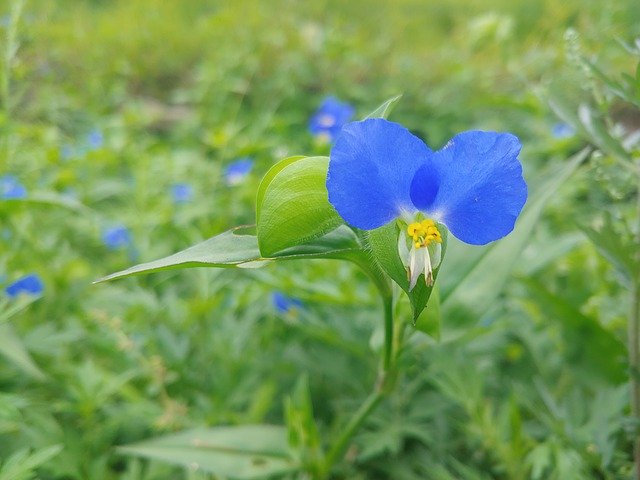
562 130
11 188
116 237
237 171
95 139
380 172
329 119
30 285
285 304
182 192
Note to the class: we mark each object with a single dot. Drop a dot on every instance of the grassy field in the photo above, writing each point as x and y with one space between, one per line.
130 130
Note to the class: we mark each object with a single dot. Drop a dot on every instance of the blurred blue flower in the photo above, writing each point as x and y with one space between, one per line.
329 119
285 304
95 139
67 152
116 237
11 188
30 285
182 192
562 130
237 171
473 186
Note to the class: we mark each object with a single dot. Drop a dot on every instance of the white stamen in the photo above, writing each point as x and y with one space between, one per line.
428 272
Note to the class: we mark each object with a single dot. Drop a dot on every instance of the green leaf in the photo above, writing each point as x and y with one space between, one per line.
384 110
430 320
301 424
14 350
229 249
294 207
619 249
239 248
46 199
383 243
476 290
595 126
268 178
21 464
237 452
588 346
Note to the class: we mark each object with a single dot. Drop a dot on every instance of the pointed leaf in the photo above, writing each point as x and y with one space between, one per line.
384 110
228 249
239 248
239 452
14 350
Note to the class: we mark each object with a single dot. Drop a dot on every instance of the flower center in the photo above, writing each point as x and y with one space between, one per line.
424 233
326 120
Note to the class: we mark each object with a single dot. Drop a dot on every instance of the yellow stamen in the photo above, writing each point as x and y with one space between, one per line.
423 233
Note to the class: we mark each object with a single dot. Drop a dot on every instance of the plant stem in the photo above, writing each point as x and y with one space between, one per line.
634 367
340 446
384 383
634 345
388 334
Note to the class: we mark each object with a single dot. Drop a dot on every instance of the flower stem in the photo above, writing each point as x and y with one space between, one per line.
384 384
388 333
340 446
634 345
634 369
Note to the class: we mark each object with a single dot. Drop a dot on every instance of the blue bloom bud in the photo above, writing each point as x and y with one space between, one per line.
29 285
11 188
562 130
116 237
95 139
285 304
182 192
331 116
237 171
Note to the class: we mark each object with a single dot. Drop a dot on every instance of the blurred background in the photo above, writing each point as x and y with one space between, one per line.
132 129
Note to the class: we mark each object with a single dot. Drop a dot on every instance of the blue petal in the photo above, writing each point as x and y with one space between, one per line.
30 285
330 117
370 170
481 190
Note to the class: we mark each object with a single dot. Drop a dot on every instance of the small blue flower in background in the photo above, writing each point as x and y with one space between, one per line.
380 172
237 171
29 285
329 119
285 304
116 237
67 152
562 130
11 188
95 139
182 192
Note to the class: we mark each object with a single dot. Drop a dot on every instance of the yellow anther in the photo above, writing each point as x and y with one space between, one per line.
427 223
423 233
414 229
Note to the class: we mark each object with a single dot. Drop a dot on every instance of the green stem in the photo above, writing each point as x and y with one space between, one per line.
634 368
384 383
388 333
340 446
634 345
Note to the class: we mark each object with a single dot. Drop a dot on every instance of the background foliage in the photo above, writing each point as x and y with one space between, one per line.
107 105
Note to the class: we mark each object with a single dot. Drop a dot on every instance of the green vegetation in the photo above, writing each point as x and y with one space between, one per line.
118 123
